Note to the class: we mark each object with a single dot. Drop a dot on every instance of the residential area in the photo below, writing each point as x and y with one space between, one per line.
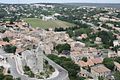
59 42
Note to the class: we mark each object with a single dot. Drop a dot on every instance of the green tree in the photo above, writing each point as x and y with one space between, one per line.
70 33
8 77
84 59
109 63
107 37
6 39
10 48
117 75
62 47
67 64
1 76
117 59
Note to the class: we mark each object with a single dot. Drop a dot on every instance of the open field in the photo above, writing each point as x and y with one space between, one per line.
34 22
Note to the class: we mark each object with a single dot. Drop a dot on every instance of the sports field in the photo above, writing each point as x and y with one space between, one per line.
34 22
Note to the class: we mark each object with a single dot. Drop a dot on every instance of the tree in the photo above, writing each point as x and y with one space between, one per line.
10 48
118 15
100 78
6 39
109 63
8 77
18 78
1 76
117 59
61 47
117 75
68 64
84 59
70 33
26 68
107 37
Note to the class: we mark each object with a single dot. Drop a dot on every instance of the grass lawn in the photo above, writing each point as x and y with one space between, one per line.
34 22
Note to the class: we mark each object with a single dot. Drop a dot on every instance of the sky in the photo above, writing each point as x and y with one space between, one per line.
60 1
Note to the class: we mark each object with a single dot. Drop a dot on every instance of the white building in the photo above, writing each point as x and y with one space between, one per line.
46 18
116 42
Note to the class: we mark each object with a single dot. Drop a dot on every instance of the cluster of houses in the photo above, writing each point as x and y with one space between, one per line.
25 38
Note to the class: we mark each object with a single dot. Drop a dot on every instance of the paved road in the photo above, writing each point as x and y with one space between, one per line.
13 68
63 74
95 27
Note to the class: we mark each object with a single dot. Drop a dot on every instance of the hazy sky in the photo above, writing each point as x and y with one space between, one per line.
60 1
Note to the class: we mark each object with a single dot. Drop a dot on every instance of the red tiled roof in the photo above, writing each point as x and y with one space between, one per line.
97 60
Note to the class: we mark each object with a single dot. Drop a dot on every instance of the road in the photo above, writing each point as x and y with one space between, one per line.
94 27
13 67
63 74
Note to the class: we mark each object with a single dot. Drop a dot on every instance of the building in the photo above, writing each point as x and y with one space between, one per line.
84 73
116 42
47 18
100 70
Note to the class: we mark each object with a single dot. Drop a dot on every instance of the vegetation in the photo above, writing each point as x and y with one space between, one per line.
84 59
28 71
68 64
34 22
107 37
62 47
10 48
6 39
109 63
117 59
101 78
117 75
5 77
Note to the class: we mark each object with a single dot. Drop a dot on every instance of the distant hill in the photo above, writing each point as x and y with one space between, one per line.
111 5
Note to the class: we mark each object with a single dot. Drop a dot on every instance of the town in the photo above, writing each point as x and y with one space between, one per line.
48 41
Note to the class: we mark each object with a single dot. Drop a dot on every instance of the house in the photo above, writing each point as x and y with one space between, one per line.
76 46
112 54
84 73
82 36
100 70
98 40
79 53
97 60
82 63
85 64
19 50
46 18
2 43
57 14
116 42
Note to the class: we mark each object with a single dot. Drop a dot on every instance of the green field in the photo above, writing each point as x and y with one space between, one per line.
34 22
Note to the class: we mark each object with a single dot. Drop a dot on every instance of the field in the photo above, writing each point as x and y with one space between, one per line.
34 22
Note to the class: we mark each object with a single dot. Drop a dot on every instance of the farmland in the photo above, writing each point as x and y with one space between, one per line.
34 22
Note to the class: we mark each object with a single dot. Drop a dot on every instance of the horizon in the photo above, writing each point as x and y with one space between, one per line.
57 1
